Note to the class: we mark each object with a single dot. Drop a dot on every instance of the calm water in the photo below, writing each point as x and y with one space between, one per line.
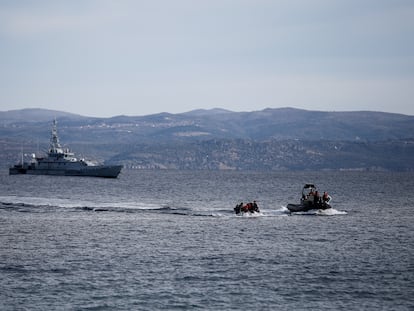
166 240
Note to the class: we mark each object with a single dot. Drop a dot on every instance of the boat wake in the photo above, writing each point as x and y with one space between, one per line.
330 212
321 212
282 211
44 205
36 204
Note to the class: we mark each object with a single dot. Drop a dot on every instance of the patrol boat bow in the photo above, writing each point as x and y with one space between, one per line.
62 162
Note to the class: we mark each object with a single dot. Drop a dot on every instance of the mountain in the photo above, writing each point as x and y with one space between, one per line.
283 138
206 112
268 124
33 115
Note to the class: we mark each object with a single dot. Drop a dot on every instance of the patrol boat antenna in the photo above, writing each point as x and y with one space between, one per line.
55 147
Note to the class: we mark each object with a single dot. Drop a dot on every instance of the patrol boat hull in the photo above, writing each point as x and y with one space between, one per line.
90 171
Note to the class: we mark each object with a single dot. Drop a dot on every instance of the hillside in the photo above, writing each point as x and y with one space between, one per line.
279 139
33 115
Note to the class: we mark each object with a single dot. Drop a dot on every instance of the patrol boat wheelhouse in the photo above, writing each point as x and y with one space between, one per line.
62 162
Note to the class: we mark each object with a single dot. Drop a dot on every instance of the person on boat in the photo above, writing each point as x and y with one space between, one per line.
310 197
326 197
238 208
255 208
316 198
246 208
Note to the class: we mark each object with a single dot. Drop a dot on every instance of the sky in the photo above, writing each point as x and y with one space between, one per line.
137 57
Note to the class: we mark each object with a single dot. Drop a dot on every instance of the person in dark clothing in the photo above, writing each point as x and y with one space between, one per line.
238 208
316 198
255 208
326 198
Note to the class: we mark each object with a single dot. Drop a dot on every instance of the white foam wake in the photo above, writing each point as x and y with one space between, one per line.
330 212
85 204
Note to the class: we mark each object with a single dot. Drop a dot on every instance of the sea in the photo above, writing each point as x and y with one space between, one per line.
169 240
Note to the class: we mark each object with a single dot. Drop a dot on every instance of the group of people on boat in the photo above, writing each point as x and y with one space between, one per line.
311 199
250 207
315 198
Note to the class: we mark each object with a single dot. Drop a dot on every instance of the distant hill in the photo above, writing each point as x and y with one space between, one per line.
268 124
380 137
206 112
33 115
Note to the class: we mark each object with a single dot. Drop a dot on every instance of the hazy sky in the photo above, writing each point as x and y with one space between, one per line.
106 58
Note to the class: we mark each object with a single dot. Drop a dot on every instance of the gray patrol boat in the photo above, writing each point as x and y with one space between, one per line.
62 162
